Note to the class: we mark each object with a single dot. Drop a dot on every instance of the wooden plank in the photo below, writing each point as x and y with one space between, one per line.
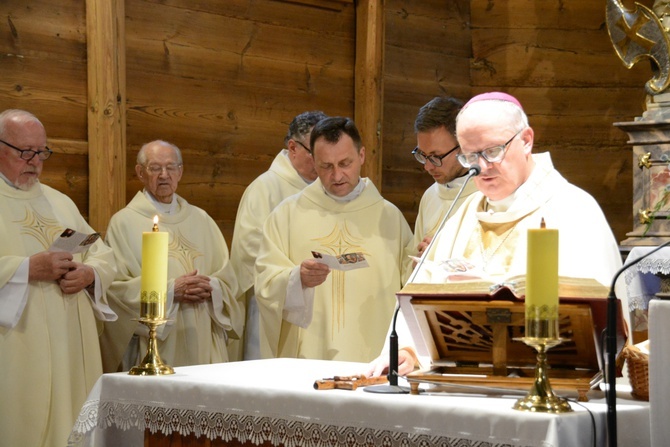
518 14
369 84
543 58
107 109
432 26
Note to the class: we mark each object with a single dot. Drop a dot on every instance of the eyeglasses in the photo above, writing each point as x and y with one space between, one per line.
436 160
158 169
493 154
27 154
306 148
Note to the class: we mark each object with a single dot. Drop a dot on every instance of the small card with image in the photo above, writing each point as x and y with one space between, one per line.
73 241
346 261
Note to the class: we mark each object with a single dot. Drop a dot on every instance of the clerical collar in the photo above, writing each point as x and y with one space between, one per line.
351 196
285 154
163 208
500 206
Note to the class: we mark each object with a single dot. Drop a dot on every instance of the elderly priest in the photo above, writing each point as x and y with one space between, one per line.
49 300
202 289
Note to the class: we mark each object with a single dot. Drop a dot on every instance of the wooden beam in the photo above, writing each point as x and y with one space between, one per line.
368 80
105 31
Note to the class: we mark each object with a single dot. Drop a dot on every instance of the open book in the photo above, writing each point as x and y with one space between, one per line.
568 287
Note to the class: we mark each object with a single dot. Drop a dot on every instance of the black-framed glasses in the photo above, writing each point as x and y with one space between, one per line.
306 148
27 154
436 160
493 154
171 169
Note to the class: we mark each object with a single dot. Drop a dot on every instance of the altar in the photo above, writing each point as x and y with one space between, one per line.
273 402
640 283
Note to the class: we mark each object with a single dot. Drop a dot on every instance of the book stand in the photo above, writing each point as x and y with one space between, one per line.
470 340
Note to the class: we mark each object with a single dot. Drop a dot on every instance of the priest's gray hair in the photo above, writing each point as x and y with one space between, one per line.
302 125
142 154
17 115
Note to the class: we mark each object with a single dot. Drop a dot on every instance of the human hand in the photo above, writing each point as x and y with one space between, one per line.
424 244
49 265
313 273
192 288
380 365
77 278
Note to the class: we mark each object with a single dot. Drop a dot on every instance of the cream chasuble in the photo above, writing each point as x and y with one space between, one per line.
258 200
51 359
199 332
434 204
496 241
351 310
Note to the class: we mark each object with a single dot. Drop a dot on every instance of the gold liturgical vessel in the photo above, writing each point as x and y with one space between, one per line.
153 299
542 334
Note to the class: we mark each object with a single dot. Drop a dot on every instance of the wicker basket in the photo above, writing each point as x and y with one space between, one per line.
638 371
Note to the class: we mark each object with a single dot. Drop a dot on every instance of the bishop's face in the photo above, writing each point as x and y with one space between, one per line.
338 165
28 135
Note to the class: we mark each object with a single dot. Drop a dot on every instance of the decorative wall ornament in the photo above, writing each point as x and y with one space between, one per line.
639 34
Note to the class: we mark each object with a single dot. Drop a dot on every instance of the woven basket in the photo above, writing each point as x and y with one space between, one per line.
638 371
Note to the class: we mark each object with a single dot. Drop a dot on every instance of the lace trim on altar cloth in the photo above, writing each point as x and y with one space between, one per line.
654 265
244 428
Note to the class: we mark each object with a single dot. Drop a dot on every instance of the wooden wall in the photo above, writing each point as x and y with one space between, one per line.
223 78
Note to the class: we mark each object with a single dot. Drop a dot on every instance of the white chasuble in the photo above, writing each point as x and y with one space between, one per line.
495 242
50 360
351 310
197 333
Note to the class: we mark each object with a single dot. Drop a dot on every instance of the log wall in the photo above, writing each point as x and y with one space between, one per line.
223 78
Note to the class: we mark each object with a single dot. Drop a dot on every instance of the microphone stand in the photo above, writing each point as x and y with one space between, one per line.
611 332
393 387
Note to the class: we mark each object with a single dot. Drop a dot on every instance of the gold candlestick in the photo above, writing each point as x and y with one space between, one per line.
153 298
542 334
151 365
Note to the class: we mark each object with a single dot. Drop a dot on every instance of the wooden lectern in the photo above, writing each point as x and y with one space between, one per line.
470 339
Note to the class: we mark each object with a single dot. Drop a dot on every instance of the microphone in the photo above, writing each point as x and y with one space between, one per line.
393 387
610 331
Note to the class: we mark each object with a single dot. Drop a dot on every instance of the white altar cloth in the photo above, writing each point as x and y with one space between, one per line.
274 401
640 284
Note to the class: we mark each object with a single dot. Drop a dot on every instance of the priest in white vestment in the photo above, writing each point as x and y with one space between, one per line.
307 310
49 300
436 150
291 171
516 192
202 301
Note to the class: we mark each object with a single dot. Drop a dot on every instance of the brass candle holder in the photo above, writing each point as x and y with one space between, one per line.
153 315
542 334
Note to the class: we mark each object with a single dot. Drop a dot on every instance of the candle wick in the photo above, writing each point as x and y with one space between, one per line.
155 228
543 224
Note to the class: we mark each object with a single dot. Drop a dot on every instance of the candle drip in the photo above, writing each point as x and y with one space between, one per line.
486 253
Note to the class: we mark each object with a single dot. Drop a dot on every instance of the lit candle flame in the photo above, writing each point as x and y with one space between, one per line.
155 227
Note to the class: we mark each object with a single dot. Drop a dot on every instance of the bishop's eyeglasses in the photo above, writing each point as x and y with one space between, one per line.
493 154
27 154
